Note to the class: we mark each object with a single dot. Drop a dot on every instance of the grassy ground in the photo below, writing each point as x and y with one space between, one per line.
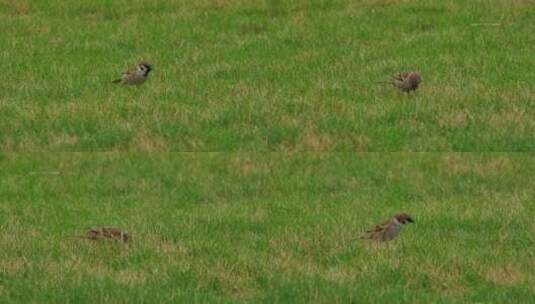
255 76
271 75
267 228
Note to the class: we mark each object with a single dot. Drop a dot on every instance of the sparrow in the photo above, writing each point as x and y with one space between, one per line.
137 75
405 81
389 229
104 233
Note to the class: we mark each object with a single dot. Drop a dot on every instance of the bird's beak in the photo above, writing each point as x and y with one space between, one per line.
410 220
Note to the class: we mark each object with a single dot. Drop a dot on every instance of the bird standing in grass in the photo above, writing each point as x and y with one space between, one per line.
137 75
389 229
104 233
405 81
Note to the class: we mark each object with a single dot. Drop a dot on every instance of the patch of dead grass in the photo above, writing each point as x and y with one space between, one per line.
170 249
130 277
149 143
283 257
444 279
339 274
495 165
236 281
56 271
455 164
508 117
506 275
17 7
13 266
459 164
62 139
313 141
360 142
19 144
245 165
454 120
217 4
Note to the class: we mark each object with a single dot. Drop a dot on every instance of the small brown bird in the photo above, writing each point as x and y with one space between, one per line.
389 229
104 233
135 76
406 81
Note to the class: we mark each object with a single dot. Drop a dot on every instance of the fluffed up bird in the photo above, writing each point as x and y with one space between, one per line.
389 229
405 81
104 233
137 75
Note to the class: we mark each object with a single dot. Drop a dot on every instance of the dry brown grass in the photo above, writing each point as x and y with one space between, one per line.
445 279
131 277
510 116
457 164
13 266
60 139
243 165
312 141
148 143
17 7
504 275
454 120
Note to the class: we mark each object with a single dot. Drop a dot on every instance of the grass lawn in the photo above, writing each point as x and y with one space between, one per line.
250 77
272 228
273 75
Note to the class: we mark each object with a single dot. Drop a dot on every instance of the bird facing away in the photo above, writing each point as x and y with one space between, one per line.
389 229
137 75
406 81
105 233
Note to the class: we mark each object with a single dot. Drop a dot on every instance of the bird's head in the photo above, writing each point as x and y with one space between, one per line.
145 67
403 218
414 78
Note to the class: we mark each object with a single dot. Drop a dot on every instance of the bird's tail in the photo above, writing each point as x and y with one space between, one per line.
117 80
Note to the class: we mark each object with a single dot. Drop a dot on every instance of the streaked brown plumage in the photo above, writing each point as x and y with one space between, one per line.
105 233
389 229
135 76
406 81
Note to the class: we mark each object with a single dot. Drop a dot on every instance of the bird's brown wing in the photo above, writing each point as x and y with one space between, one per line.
114 233
101 233
93 234
375 231
125 74
110 232
128 72
379 227
400 76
